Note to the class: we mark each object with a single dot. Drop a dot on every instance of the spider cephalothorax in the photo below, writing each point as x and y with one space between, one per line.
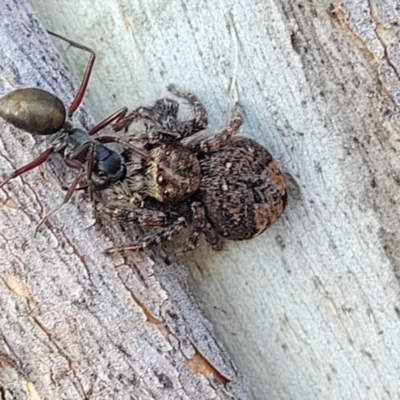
235 189
171 175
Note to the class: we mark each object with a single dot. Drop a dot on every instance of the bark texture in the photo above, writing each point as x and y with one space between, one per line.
310 309
75 324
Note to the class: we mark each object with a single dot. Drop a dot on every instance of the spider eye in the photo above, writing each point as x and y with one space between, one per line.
166 193
161 179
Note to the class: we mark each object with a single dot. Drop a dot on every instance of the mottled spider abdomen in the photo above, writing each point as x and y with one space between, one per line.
242 189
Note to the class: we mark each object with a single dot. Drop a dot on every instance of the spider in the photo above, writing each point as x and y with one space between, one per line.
222 186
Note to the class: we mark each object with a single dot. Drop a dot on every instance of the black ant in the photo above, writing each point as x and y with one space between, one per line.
39 112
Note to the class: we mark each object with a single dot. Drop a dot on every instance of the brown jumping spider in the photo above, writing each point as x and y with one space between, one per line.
223 186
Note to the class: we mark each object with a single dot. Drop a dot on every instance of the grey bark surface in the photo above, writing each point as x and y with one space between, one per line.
310 309
75 324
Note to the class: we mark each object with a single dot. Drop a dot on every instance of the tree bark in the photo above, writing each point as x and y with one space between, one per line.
310 309
75 324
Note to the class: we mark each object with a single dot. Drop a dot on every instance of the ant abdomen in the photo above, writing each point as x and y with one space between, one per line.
33 110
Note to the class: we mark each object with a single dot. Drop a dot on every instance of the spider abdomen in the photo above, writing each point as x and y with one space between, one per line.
242 189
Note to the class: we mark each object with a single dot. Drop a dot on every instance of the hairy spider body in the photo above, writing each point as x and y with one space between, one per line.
172 172
235 189
242 189
175 175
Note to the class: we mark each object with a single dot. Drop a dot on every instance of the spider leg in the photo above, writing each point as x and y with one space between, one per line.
199 220
200 226
164 114
211 237
150 241
221 138
163 111
139 216
200 120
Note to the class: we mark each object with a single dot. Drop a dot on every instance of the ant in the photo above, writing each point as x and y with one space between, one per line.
40 112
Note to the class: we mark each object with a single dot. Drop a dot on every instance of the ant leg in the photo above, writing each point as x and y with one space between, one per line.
85 80
35 163
118 115
84 155
220 139
89 172
67 197
112 139
87 152
152 240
